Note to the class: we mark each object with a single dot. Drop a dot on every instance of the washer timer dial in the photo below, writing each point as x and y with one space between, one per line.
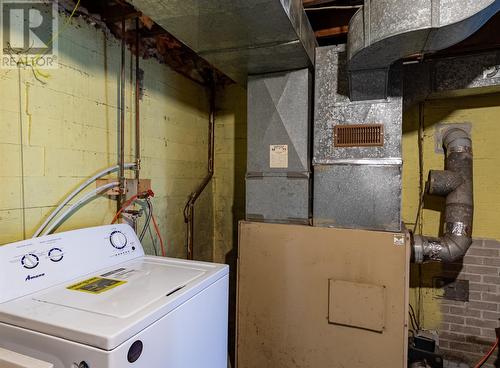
56 254
30 261
118 239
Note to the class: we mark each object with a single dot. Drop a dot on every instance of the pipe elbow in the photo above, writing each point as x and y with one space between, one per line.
447 249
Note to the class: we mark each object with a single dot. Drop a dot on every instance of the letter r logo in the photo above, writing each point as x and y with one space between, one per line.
28 27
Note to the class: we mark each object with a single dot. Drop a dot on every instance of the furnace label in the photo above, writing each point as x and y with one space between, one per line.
278 156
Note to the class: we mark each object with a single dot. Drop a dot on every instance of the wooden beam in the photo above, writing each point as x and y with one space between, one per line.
119 17
326 3
332 32
308 3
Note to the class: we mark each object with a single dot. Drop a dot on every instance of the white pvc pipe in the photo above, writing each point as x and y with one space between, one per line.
77 191
73 207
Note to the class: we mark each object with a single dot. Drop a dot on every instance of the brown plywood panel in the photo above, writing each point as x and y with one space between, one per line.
283 297
357 305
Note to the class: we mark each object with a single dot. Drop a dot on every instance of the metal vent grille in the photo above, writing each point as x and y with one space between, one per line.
366 135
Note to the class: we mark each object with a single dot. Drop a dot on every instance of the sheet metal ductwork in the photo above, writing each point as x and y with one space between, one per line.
454 183
384 31
239 37
357 184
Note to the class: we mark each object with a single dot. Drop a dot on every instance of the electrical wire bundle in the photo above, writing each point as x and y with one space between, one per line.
145 198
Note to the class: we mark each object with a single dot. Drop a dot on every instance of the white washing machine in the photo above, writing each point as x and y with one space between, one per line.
90 298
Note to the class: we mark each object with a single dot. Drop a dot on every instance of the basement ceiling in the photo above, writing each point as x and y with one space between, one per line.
239 37
329 20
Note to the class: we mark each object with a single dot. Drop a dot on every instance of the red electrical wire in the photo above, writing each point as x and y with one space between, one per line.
159 235
488 355
125 205
149 193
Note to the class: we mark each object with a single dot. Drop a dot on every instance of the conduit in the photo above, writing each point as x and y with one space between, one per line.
456 184
189 208
121 158
137 107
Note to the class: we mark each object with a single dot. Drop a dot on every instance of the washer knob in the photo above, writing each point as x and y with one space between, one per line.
56 254
118 239
30 261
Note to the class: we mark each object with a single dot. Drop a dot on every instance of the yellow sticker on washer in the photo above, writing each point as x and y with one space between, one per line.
96 285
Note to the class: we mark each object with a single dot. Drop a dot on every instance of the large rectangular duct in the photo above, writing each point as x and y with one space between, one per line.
239 37
278 167
357 182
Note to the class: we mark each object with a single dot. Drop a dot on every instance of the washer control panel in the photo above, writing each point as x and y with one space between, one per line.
118 239
39 263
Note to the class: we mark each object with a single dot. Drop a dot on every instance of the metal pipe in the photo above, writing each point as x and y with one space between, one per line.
189 208
456 184
137 111
121 158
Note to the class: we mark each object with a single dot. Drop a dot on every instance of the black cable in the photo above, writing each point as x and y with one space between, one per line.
148 219
413 319
153 240
419 220
148 227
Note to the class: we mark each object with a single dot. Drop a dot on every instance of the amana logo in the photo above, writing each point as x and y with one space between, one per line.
29 277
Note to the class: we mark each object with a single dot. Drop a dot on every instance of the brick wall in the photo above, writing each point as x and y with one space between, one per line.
467 328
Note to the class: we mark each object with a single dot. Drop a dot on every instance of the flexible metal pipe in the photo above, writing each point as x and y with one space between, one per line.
189 208
74 193
77 205
456 184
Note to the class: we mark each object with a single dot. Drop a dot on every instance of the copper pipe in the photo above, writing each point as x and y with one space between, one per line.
137 111
189 208
121 172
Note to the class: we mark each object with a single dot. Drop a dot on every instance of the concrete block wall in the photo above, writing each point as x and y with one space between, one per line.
69 132
229 184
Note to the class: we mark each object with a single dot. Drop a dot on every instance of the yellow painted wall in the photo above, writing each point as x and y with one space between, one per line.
483 113
69 132
230 170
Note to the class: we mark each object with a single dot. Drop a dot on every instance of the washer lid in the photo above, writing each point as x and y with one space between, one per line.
123 291
104 309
